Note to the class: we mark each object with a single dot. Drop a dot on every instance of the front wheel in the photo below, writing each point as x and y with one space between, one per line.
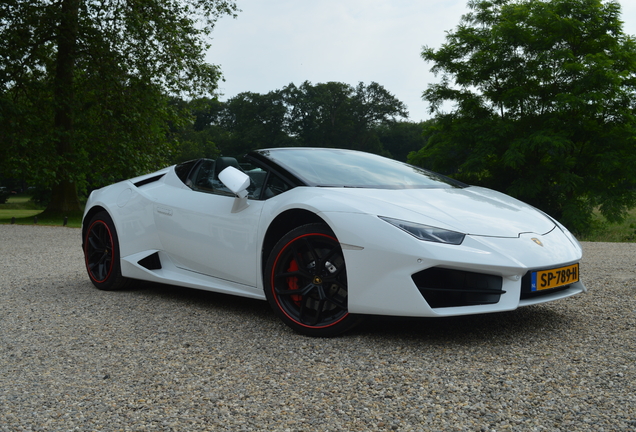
306 282
101 254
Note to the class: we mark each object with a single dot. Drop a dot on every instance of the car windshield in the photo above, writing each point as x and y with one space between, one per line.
348 168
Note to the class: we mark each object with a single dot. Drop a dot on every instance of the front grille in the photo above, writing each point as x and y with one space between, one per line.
450 288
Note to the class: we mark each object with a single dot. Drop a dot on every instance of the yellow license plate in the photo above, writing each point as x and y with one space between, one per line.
554 278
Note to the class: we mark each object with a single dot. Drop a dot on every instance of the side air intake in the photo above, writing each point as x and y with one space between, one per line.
151 262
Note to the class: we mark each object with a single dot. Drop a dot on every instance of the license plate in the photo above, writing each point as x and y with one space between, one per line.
554 278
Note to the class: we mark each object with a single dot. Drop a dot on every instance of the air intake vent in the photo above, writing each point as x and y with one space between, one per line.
151 262
153 179
451 288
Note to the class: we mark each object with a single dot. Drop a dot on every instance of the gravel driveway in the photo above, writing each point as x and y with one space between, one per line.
161 358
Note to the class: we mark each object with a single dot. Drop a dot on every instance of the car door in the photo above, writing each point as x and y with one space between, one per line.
201 234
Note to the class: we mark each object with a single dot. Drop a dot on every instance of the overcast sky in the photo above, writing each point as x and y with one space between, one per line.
273 43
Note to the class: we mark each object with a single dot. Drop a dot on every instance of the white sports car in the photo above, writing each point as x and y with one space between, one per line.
328 236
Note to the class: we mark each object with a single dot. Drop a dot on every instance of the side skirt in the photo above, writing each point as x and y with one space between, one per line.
136 267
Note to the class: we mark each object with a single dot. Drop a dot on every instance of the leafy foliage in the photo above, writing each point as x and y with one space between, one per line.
399 139
322 115
543 96
85 86
338 115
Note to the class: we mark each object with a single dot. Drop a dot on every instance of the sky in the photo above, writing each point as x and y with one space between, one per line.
273 43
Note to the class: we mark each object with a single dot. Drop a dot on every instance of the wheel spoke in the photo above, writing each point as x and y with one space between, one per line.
95 242
311 314
316 318
322 262
335 277
339 303
103 263
310 250
93 256
101 271
302 315
299 272
300 291
99 238
297 255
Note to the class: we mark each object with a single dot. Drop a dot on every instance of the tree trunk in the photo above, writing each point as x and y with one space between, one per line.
64 196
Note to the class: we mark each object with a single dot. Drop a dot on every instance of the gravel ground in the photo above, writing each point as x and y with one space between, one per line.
159 358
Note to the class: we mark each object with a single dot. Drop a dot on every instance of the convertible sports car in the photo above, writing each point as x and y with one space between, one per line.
327 236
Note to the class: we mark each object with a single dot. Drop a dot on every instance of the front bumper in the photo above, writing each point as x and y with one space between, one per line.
383 269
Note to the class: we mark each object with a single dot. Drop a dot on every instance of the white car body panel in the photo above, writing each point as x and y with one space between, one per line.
203 235
473 210
203 245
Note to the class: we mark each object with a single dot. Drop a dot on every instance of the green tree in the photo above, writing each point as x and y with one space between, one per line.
197 137
336 114
254 121
85 86
401 138
543 96
322 115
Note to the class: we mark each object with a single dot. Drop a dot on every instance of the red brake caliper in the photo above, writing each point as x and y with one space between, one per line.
292 282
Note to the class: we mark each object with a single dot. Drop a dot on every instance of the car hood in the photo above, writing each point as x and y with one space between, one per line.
472 210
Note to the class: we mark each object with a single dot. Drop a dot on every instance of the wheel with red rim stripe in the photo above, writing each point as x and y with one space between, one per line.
306 282
101 253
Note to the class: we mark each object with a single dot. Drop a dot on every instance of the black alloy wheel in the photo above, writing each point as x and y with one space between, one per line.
306 282
101 253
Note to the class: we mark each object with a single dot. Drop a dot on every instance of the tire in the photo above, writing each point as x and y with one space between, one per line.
101 254
306 282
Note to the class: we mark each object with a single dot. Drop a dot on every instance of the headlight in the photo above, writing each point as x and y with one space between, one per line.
426 232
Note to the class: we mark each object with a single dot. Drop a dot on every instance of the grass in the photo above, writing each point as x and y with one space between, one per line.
18 202
618 232
18 214
23 209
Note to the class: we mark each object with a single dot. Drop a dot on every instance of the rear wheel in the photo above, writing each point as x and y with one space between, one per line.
306 282
101 254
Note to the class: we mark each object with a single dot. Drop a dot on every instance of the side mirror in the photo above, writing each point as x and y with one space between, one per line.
235 180
238 182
